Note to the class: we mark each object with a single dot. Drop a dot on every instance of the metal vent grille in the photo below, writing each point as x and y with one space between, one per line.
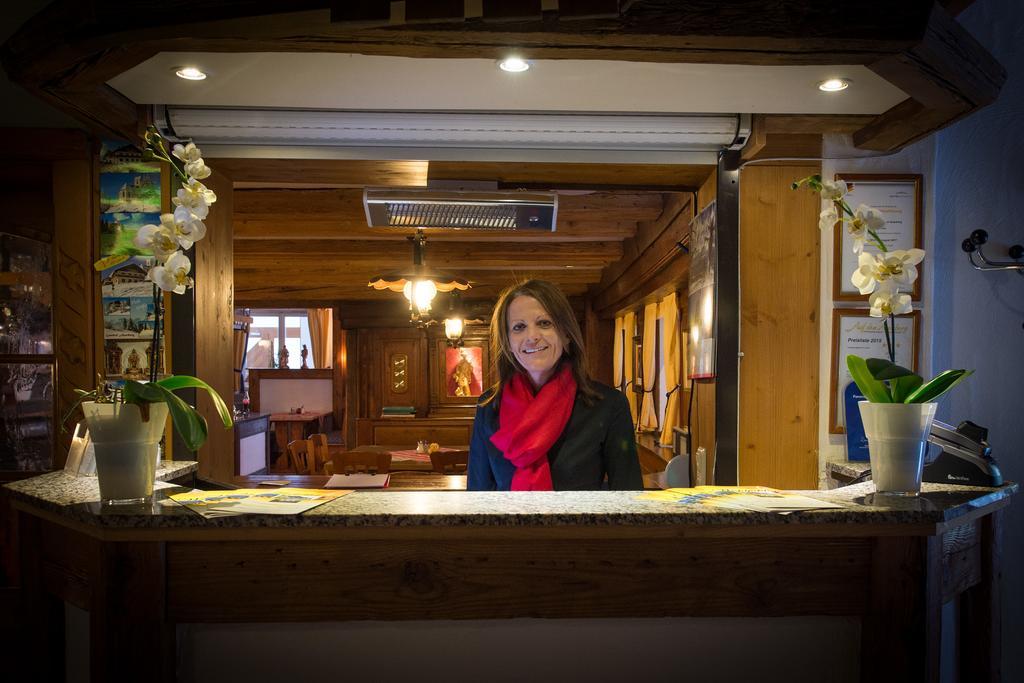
461 210
408 214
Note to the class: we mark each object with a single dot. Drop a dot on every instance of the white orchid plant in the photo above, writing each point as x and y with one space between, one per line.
168 241
885 277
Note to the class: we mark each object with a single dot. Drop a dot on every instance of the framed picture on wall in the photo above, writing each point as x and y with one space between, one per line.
898 198
855 331
460 374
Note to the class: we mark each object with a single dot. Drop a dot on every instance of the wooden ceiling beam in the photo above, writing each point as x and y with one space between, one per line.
322 172
299 228
660 177
347 205
252 254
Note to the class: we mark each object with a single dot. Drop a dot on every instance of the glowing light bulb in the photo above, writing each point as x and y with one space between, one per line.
834 85
420 293
190 73
453 328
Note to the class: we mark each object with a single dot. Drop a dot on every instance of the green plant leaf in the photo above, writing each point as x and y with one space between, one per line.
901 387
938 385
873 390
884 369
175 382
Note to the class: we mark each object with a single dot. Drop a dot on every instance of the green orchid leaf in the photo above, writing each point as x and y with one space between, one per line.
884 369
873 390
938 386
190 425
176 382
902 387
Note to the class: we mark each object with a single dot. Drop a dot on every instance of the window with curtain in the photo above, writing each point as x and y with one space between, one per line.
272 329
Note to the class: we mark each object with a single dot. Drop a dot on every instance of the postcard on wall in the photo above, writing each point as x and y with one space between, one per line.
130 359
118 156
855 332
130 192
898 199
700 362
118 230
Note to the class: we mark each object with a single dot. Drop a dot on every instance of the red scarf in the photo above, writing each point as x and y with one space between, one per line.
529 425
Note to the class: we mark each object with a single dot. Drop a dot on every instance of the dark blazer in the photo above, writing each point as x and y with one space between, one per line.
597 442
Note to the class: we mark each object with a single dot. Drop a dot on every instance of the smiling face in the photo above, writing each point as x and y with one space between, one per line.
536 341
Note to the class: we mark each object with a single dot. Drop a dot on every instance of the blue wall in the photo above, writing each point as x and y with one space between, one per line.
978 317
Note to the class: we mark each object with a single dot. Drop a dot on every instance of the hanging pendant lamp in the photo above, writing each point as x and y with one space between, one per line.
419 283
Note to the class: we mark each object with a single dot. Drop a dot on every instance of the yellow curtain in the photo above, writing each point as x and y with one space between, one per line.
629 327
320 335
617 347
648 412
668 311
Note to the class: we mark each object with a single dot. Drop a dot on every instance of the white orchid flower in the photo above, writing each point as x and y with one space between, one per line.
157 238
828 218
865 218
896 267
187 153
172 276
888 300
189 229
197 169
196 197
834 190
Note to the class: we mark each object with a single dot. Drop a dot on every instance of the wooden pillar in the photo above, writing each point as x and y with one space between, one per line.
42 628
214 328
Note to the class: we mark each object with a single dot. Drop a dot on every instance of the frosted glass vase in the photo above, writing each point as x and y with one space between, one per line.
126 447
896 434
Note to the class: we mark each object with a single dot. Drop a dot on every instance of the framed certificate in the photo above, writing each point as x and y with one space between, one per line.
855 331
898 198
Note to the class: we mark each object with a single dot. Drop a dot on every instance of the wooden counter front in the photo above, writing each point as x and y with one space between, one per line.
393 555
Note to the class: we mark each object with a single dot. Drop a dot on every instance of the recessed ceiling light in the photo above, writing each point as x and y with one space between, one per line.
513 64
834 85
189 73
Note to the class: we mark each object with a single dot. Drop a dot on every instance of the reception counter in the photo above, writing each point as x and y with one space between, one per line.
402 555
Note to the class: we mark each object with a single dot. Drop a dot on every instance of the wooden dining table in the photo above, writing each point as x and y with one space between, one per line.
291 426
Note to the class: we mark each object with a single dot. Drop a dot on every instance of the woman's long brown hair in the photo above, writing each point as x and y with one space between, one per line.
551 298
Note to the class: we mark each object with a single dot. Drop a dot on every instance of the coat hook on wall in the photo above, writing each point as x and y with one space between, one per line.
972 245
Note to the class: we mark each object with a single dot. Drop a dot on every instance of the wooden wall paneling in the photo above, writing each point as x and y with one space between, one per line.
354 382
779 370
646 258
598 335
214 328
76 300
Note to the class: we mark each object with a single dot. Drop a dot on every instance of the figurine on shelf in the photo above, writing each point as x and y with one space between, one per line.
305 355
282 358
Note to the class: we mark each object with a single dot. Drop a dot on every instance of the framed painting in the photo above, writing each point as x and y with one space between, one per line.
898 198
460 374
855 331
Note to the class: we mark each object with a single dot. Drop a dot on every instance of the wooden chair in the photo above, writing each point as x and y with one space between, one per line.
351 462
302 457
323 457
449 462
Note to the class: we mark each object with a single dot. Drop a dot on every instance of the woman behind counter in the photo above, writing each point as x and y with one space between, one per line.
546 425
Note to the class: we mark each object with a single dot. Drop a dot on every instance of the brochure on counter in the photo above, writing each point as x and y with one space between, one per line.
286 501
750 498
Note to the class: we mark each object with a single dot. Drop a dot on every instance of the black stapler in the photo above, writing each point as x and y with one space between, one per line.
966 457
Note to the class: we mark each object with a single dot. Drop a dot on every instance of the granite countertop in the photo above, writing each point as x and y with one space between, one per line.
78 499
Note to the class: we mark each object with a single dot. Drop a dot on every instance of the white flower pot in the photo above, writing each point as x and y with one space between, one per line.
127 448
896 435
